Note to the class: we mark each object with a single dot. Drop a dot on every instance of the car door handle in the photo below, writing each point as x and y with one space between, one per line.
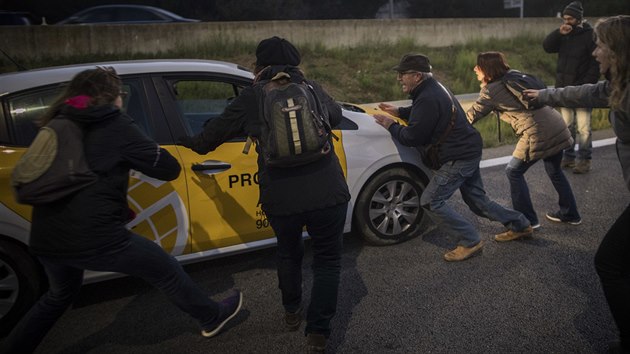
210 167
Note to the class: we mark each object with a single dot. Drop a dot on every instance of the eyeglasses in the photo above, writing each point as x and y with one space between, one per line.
401 74
123 94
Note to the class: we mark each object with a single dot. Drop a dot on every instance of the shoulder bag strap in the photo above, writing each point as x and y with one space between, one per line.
451 124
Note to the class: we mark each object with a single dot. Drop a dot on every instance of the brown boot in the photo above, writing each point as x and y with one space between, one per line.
315 343
567 163
461 253
582 167
510 235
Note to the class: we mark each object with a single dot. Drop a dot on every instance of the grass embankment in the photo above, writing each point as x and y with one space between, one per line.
363 73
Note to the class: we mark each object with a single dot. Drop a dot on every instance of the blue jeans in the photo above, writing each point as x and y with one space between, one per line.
579 122
325 227
521 199
613 267
465 176
139 257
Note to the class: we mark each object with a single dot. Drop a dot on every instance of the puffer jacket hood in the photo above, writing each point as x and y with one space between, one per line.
91 114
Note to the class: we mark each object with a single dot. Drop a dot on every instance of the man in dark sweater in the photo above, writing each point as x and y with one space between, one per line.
433 109
313 196
574 42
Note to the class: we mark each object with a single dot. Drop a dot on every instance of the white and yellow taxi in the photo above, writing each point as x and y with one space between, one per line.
212 209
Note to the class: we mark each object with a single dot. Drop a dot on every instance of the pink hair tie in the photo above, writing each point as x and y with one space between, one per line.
79 102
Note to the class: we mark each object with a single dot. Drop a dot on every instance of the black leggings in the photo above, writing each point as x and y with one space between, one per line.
612 263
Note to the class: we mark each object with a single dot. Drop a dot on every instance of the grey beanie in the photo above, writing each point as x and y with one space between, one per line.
574 10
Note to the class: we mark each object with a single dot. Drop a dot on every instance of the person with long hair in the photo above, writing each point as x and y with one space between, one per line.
611 260
543 136
86 230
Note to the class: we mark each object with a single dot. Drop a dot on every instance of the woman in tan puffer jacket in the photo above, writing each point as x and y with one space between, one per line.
543 135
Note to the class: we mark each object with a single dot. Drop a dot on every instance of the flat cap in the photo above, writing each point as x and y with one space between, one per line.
413 62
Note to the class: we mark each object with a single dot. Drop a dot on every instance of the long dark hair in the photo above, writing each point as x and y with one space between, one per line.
493 65
102 85
614 33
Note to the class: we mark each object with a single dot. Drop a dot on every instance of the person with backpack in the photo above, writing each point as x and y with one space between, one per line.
611 260
542 136
86 230
574 42
435 118
296 193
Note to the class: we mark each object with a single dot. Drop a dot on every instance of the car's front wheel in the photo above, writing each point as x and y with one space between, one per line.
20 284
388 209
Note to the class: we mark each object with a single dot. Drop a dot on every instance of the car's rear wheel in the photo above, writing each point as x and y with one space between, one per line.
388 209
20 284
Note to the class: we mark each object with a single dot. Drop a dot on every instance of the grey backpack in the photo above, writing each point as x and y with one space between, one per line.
296 129
53 166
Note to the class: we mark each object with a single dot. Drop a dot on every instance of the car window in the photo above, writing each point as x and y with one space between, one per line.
97 16
26 109
134 104
199 101
132 15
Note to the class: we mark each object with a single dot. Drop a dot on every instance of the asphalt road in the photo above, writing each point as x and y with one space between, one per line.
539 295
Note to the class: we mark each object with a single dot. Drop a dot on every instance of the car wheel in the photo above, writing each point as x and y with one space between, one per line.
20 284
388 209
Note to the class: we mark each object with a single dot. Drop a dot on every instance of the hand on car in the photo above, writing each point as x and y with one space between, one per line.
388 108
384 120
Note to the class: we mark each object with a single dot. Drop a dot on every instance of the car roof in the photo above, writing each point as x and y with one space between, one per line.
147 8
21 80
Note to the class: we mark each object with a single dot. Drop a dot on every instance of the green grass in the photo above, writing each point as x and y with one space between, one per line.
363 74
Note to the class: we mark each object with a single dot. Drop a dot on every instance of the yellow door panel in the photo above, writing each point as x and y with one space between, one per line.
224 208
8 158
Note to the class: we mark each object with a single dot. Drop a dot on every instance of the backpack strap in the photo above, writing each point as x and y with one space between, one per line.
325 122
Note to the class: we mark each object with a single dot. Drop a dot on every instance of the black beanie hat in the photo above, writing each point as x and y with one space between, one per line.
276 51
574 10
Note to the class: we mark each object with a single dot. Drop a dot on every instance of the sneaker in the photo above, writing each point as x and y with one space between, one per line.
316 343
511 235
567 163
536 226
461 253
582 167
228 308
292 320
557 217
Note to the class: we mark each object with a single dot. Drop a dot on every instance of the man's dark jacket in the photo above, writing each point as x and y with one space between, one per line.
427 119
92 221
283 191
576 64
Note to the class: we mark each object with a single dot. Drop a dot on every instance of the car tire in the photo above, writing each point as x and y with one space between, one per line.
21 284
388 208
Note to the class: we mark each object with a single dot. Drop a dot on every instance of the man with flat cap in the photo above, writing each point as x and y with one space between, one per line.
313 196
436 117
